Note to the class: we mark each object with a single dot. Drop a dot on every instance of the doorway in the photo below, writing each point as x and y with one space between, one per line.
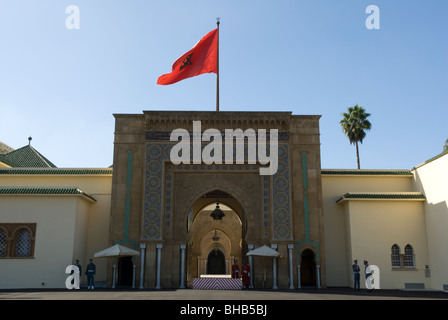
307 268
216 262
125 272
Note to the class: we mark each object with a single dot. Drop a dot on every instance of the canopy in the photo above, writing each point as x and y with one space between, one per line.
263 251
116 251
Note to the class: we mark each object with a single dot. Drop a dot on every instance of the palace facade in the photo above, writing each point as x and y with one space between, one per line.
319 220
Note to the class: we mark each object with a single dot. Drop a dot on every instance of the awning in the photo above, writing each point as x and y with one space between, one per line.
116 251
263 251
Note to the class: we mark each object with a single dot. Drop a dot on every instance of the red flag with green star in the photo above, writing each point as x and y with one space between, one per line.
202 58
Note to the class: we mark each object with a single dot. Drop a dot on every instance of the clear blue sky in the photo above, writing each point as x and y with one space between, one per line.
63 86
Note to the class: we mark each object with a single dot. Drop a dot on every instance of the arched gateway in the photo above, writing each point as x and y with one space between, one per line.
173 169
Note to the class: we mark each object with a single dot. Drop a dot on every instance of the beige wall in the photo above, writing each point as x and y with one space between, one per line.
431 179
366 229
93 184
68 228
55 240
338 239
374 226
98 234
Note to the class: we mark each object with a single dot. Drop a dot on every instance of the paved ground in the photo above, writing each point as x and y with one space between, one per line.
190 294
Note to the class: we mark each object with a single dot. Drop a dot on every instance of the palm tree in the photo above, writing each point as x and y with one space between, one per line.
354 124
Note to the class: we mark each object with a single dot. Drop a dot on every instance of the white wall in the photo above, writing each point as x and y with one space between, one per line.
431 178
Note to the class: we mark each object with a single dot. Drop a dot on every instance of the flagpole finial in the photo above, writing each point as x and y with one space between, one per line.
217 20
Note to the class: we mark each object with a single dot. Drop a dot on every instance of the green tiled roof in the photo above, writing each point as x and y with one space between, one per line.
6 161
44 191
367 172
26 157
383 196
56 171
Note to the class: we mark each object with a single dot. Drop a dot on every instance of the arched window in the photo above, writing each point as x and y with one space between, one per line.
23 243
17 240
395 256
408 259
3 243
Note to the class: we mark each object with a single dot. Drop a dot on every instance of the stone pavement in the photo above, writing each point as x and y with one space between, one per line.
190 294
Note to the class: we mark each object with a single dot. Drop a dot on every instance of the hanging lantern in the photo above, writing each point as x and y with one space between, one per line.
217 214
215 237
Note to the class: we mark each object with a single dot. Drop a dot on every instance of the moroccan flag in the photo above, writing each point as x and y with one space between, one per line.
202 58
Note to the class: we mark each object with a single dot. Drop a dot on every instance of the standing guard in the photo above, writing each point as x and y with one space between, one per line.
246 274
235 269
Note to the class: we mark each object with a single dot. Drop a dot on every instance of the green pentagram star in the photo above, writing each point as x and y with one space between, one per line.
186 62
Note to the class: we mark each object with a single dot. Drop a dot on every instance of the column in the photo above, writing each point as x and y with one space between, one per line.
298 277
251 247
159 258
182 265
114 268
318 276
291 276
274 268
142 264
133 275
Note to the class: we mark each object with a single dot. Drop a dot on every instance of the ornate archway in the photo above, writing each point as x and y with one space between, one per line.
209 236
152 197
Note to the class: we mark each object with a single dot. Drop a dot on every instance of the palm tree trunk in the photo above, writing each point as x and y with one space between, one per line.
357 155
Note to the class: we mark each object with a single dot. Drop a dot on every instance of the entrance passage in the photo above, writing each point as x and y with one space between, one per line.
125 270
216 234
216 262
307 268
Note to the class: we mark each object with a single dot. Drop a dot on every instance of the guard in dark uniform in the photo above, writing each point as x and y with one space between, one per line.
90 273
356 276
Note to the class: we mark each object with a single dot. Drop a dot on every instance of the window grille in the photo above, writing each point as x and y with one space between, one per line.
408 258
395 256
23 244
3 244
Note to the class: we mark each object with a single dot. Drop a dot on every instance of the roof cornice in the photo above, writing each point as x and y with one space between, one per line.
367 172
382 196
56 171
45 191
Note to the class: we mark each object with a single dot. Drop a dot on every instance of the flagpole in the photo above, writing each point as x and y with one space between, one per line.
217 70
